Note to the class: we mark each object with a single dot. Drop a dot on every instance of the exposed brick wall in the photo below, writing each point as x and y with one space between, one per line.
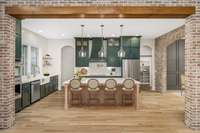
7 29
7 61
192 53
161 44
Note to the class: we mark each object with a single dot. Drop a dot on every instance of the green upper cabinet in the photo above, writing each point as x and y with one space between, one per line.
95 48
18 42
131 45
112 49
82 61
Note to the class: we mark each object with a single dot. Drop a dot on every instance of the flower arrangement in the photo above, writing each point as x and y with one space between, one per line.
79 73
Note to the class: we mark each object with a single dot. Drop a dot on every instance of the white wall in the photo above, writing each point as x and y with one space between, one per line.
55 50
143 51
46 46
30 38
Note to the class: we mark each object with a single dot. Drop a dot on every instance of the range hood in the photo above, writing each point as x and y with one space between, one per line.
95 46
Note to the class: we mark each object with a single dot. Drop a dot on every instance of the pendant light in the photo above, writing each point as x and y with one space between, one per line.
101 53
82 53
121 53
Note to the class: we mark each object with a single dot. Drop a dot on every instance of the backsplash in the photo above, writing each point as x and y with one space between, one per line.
101 71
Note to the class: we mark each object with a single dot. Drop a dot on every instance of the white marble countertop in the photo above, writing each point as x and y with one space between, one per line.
102 80
26 79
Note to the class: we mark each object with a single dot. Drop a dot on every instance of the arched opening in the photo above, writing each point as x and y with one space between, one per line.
67 63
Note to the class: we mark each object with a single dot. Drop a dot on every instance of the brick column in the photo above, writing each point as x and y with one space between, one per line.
7 64
192 62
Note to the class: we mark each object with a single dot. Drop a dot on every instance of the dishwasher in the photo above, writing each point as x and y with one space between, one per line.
35 91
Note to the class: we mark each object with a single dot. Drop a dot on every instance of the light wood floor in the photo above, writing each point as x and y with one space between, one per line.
158 113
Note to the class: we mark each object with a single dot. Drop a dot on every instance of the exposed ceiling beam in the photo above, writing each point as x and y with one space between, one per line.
99 11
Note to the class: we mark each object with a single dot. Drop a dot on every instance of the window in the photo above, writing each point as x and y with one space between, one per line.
24 60
34 61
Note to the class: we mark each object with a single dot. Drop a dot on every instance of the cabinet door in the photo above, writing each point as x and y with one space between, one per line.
96 47
47 89
26 94
18 44
82 61
42 91
18 105
18 47
112 57
18 26
131 47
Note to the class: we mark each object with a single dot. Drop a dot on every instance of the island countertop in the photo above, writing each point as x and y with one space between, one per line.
102 80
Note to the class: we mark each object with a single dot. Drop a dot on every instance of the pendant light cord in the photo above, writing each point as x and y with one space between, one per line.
102 26
121 30
82 26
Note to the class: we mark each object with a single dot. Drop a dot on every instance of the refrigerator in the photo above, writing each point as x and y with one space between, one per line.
131 69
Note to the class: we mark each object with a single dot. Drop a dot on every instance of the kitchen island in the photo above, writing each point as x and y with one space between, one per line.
101 93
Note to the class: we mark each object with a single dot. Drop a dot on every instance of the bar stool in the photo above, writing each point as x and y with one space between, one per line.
76 92
128 92
110 92
93 90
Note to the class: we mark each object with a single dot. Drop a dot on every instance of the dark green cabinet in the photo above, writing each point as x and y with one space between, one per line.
131 45
43 91
82 61
95 48
18 104
26 94
54 83
18 43
112 49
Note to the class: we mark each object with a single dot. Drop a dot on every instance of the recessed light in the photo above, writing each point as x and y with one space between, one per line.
62 34
40 31
113 35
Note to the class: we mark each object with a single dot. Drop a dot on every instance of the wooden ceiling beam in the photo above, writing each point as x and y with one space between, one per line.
99 12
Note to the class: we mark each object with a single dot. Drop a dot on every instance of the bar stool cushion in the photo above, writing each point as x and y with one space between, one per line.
75 85
110 85
93 85
128 85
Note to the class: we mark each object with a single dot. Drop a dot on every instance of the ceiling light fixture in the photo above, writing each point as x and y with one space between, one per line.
101 52
82 53
40 31
121 53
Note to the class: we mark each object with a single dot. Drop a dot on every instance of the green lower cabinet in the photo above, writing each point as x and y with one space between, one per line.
42 91
47 89
18 105
26 95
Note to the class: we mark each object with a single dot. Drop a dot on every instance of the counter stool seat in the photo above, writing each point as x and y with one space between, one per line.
110 92
76 92
93 92
128 91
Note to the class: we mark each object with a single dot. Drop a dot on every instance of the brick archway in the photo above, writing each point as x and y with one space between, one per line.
153 9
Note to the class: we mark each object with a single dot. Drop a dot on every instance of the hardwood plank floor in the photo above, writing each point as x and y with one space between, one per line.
158 113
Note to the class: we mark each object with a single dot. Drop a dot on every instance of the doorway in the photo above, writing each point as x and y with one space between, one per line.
175 64
67 63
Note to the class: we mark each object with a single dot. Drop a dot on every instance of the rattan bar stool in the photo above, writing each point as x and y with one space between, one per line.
76 92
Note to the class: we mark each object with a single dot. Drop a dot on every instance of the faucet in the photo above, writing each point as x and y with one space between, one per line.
37 70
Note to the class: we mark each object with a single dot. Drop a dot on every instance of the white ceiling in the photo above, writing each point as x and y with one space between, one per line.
69 28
